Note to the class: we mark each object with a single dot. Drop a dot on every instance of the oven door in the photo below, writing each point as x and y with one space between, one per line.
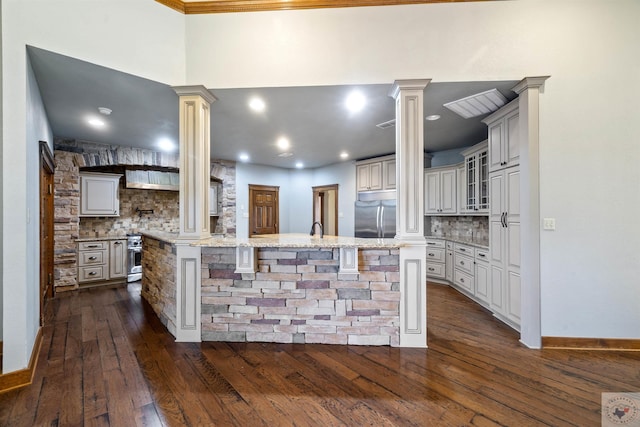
135 260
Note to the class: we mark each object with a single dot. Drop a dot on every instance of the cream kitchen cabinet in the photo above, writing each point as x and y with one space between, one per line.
102 262
482 278
475 185
441 192
436 264
504 241
504 139
376 174
99 194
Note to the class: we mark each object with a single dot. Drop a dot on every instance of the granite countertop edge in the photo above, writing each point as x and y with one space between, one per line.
100 239
482 244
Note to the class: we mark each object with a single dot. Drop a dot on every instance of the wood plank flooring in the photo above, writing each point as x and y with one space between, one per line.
107 361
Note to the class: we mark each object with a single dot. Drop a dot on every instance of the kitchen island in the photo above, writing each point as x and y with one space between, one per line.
289 288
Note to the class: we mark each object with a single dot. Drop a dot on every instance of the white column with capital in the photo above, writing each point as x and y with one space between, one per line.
409 97
195 163
528 91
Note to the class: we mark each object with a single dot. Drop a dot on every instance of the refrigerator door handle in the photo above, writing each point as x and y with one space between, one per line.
381 223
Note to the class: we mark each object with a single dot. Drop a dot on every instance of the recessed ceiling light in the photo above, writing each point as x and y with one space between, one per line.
104 110
283 143
344 155
299 165
243 157
165 144
432 117
257 104
287 154
96 122
355 101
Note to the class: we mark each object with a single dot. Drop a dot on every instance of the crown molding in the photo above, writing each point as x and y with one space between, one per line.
226 6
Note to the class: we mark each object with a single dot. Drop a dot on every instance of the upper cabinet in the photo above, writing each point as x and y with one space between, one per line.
376 174
504 141
99 194
441 191
475 186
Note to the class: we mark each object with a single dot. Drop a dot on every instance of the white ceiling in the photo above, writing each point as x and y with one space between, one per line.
313 118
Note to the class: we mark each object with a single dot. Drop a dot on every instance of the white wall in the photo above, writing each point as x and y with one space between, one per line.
589 128
136 36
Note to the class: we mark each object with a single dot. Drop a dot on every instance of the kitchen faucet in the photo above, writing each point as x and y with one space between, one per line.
313 228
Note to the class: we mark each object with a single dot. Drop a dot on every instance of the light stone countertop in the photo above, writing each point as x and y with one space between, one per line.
479 243
292 240
300 240
100 239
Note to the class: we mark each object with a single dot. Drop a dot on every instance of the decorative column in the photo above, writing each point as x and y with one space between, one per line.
409 95
195 164
528 91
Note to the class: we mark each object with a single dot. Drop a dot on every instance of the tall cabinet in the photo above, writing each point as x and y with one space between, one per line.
504 213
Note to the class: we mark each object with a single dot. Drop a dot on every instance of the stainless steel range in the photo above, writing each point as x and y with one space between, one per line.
134 258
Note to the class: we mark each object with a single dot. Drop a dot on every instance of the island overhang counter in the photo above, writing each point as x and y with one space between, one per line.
295 288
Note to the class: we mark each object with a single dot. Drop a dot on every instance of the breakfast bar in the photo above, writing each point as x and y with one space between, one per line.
287 288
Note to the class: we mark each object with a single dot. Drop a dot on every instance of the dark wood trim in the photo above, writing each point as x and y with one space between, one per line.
226 6
23 377
591 343
47 157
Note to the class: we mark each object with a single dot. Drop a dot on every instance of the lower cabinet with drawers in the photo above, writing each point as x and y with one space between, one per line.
466 268
102 262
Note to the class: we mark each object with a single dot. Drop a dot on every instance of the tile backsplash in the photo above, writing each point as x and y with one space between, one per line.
165 216
475 227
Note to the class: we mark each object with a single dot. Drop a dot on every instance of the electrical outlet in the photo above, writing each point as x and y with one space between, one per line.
549 224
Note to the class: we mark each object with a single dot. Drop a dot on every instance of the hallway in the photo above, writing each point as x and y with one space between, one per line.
107 360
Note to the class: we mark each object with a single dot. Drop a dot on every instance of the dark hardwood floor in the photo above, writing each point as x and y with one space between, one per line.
107 361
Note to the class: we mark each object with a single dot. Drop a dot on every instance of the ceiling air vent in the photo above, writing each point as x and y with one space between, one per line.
478 104
385 125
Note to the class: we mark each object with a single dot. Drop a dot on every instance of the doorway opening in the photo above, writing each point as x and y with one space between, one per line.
325 208
47 168
263 210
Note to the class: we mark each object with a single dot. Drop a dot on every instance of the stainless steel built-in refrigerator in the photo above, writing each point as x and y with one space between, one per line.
375 219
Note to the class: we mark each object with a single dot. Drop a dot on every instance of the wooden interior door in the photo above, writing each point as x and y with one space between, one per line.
47 168
263 210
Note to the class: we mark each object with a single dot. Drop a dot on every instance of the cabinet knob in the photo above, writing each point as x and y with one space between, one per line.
461 280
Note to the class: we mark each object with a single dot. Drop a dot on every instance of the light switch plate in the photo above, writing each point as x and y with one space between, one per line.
549 224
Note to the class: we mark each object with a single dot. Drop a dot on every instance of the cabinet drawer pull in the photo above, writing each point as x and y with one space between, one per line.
117 243
481 255
93 258
431 269
462 249
93 246
93 273
461 262
431 243
461 280
431 254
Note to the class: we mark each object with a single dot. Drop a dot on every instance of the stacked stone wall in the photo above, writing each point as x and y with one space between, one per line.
298 296
66 221
159 280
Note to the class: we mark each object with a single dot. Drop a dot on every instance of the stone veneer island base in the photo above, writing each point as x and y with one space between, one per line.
297 292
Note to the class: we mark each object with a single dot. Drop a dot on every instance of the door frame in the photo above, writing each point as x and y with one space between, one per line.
317 193
256 188
46 216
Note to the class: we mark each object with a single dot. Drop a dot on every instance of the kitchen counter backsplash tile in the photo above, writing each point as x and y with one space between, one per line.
470 228
165 216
